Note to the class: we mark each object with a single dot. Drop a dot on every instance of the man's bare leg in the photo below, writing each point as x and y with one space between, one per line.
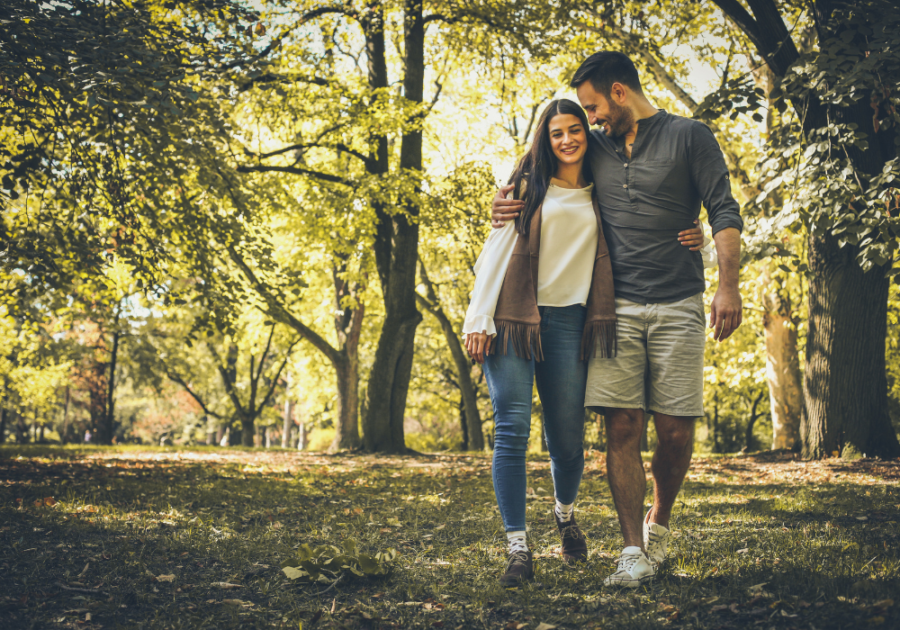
626 470
675 445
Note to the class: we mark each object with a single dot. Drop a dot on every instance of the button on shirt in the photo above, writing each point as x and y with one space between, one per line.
648 198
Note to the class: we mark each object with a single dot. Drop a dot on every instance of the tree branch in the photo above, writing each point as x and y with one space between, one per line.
279 312
177 379
739 15
309 145
293 170
274 384
271 77
229 384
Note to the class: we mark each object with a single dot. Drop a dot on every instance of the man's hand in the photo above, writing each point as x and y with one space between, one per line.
725 313
503 209
478 345
692 238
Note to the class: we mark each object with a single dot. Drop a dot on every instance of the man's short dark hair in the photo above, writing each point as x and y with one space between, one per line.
606 67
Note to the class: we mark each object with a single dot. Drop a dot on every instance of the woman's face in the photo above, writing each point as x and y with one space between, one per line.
568 138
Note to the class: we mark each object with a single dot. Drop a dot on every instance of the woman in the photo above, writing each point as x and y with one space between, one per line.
544 286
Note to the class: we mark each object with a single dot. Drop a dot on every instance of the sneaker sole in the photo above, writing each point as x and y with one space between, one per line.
631 584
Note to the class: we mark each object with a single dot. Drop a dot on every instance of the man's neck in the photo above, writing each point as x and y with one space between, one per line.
641 109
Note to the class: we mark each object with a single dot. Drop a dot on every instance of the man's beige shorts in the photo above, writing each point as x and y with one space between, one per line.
659 366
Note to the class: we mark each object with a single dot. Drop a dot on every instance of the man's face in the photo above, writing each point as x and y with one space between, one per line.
616 119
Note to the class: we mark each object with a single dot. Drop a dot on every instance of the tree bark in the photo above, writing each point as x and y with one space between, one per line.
2 424
392 368
846 404
782 367
471 420
106 426
302 437
288 417
754 416
64 434
348 326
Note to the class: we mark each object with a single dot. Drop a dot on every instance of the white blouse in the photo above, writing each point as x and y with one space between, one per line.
568 248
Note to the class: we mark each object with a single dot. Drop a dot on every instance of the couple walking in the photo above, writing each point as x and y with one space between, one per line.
592 284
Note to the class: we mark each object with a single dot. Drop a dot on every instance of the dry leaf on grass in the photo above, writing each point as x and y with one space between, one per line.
165 578
225 585
545 626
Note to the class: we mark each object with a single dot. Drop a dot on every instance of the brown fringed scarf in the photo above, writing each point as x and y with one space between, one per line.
517 317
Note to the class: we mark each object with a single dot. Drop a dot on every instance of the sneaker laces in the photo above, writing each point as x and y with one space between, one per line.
627 562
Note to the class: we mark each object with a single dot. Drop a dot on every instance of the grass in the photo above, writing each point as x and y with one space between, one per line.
760 542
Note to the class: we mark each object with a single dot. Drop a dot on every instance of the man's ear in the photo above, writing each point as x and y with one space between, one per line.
618 93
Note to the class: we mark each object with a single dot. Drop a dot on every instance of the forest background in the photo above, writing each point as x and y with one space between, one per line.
256 223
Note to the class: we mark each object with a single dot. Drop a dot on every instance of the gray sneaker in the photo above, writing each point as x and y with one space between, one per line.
656 542
633 569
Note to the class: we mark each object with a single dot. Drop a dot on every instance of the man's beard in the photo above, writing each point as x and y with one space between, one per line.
620 120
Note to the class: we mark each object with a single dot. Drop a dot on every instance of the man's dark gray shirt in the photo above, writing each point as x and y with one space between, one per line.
647 199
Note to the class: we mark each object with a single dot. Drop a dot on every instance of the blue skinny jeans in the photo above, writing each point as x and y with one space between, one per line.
561 379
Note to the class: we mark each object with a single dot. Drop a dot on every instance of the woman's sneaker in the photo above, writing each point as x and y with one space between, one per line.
574 544
519 569
634 569
656 542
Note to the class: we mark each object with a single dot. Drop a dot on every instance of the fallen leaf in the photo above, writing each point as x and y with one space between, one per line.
165 578
545 626
49 501
237 602
226 585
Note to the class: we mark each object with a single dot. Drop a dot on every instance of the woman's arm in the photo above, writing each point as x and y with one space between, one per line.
490 269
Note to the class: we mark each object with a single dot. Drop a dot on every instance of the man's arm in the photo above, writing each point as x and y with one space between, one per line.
503 209
710 176
725 313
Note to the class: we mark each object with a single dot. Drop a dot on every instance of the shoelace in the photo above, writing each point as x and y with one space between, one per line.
572 531
627 562
517 557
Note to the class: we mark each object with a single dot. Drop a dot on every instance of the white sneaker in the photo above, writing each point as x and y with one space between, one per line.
656 542
634 569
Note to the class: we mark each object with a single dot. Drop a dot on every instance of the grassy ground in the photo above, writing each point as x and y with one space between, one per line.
139 538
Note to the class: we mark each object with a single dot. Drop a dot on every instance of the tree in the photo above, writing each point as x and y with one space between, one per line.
845 161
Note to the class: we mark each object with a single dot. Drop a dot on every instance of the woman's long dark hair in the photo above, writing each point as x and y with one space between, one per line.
538 165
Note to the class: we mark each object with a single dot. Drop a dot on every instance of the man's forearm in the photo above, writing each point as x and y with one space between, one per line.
728 248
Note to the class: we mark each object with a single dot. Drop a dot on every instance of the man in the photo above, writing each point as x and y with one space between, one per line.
651 171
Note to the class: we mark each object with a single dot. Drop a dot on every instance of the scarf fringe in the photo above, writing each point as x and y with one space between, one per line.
599 337
526 339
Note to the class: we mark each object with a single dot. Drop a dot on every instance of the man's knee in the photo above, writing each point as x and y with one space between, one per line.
624 426
674 433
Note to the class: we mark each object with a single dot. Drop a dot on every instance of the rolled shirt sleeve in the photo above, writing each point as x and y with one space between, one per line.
709 174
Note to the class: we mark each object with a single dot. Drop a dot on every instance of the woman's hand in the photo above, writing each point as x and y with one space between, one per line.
692 238
478 345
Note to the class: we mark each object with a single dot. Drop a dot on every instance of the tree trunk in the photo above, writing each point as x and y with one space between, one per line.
248 431
461 408
846 407
288 423
302 437
21 428
220 435
392 368
471 421
2 424
106 425
782 368
346 434
348 326
845 386
748 435
64 434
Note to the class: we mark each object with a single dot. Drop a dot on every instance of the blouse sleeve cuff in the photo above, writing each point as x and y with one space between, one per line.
709 254
479 324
